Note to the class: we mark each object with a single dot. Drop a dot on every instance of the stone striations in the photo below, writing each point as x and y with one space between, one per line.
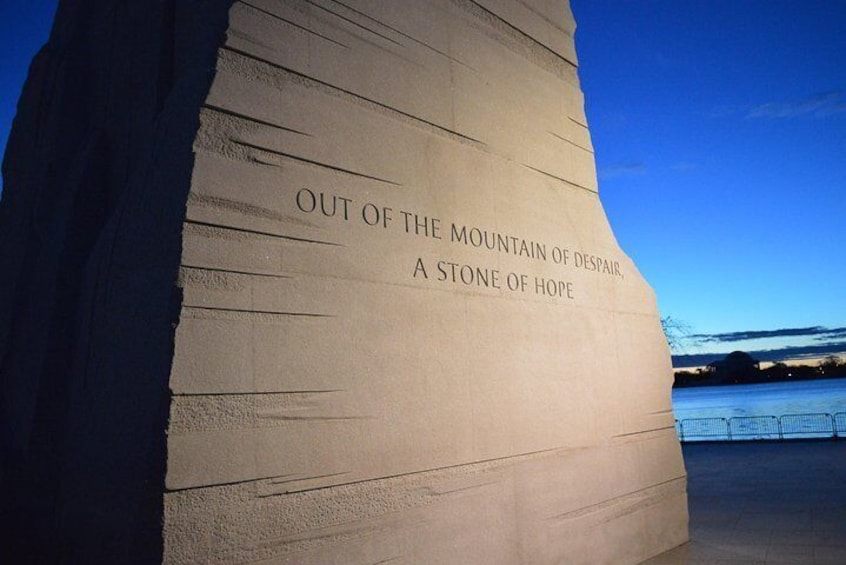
408 334
322 281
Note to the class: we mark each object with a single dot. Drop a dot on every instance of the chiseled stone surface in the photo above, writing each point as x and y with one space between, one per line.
408 334
322 281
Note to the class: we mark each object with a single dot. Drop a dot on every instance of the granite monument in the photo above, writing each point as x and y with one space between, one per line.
323 281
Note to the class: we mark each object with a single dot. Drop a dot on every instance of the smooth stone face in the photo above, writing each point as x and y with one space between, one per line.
407 329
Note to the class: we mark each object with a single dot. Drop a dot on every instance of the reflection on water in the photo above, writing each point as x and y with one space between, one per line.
776 399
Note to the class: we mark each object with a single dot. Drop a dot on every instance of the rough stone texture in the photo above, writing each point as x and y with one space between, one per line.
96 176
333 398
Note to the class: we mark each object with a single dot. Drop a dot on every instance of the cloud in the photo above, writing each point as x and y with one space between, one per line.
829 340
725 110
683 167
836 333
663 60
820 334
622 170
819 105
772 355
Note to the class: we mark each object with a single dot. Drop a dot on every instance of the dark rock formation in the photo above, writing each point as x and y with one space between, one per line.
96 176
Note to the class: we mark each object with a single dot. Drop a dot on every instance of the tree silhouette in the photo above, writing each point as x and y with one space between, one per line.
676 331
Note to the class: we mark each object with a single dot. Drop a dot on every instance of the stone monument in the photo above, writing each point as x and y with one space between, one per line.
323 281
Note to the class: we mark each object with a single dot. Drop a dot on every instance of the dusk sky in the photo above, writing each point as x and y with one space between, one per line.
720 136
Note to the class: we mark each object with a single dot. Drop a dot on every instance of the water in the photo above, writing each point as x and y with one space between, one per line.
773 411
770 399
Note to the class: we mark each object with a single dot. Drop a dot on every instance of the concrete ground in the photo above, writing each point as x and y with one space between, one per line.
755 503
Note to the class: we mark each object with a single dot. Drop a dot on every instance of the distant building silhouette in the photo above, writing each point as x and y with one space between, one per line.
737 366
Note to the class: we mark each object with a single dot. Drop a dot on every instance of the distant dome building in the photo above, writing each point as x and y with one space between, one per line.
737 366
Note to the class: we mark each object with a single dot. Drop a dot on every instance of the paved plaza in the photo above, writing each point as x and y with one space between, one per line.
755 503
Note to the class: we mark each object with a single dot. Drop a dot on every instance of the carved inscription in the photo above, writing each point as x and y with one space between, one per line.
452 232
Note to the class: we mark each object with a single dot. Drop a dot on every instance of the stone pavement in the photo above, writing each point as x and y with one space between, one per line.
755 503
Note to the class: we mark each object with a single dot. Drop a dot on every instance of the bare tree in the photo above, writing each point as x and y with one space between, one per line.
677 332
831 362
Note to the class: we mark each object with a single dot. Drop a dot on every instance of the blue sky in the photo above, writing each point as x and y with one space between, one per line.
24 27
720 136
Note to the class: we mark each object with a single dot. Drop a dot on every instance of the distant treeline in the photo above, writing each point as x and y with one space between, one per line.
832 367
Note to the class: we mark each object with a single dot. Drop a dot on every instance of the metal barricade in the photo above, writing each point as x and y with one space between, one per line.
755 427
750 428
840 424
708 429
807 425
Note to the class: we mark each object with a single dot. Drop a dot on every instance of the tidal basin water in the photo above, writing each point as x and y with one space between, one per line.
770 399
